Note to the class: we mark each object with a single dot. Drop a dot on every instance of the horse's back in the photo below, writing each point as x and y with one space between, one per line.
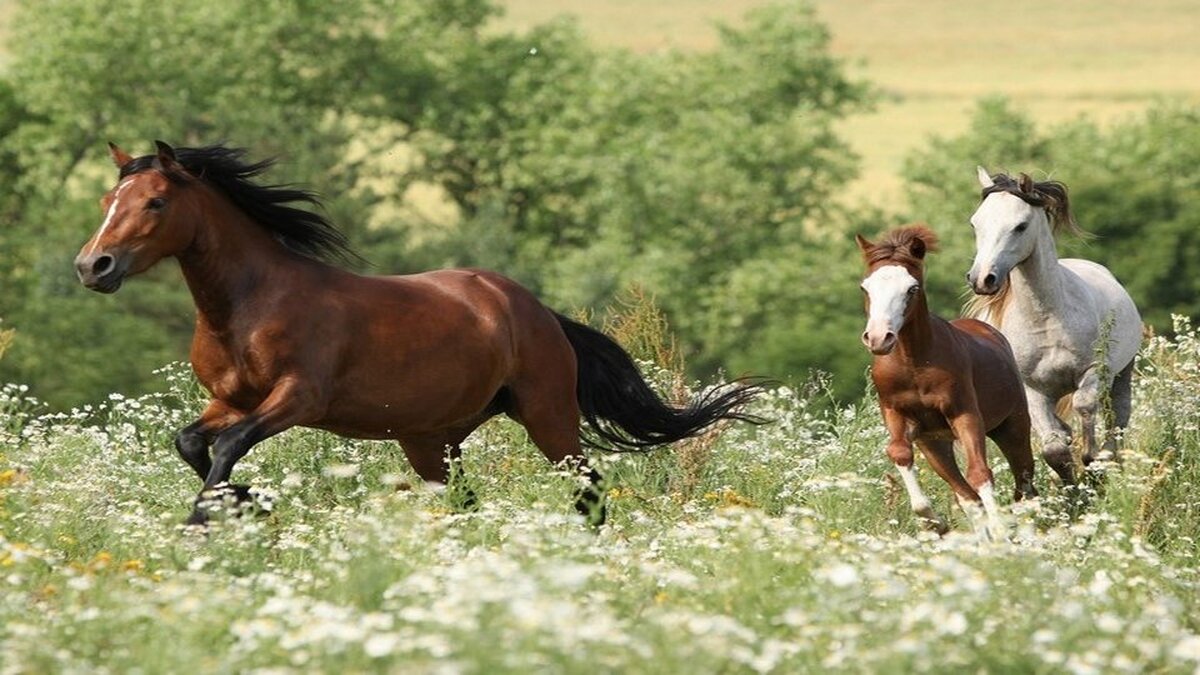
1109 299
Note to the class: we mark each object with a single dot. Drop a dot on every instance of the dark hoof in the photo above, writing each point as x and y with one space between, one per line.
591 507
464 501
199 518
236 499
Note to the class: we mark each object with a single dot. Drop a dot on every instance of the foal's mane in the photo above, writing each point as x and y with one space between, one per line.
301 230
905 245
1048 194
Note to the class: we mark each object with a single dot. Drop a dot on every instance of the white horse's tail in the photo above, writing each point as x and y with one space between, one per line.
989 308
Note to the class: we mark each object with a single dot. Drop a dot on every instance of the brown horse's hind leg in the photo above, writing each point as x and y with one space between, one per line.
1012 436
437 460
552 420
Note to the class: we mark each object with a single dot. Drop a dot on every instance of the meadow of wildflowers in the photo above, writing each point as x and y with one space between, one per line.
781 548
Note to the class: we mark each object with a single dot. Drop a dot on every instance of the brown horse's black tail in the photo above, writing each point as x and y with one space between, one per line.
625 413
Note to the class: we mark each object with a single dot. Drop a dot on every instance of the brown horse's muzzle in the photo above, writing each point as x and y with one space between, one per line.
101 272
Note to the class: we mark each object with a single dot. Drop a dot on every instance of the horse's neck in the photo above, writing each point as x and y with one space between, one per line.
1037 281
231 263
916 337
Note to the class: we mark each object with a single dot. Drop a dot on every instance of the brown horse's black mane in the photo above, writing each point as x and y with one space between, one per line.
301 230
1050 195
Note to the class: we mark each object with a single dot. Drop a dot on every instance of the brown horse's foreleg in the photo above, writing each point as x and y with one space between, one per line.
289 404
193 440
899 450
940 455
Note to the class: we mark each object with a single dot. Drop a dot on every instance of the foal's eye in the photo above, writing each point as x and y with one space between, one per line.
156 204
912 290
1021 228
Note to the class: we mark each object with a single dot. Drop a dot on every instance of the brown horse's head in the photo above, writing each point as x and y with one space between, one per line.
142 222
895 273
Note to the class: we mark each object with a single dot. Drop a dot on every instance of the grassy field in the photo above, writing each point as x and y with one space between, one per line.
784 548
933 59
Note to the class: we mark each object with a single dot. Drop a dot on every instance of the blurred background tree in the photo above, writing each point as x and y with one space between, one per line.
714 180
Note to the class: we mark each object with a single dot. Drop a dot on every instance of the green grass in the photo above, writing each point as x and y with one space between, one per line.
782 548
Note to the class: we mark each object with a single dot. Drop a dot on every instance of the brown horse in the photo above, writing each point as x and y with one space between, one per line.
284 339
939 381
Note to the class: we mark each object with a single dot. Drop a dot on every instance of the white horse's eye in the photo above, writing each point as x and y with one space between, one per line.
1021 228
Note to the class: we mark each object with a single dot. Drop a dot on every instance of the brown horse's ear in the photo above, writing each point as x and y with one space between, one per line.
863 244
165 160
119 156
917 248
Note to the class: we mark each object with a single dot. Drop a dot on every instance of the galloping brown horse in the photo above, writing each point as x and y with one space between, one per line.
939 381
284 339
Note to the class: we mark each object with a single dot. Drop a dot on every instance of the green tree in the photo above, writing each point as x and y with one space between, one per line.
1133 185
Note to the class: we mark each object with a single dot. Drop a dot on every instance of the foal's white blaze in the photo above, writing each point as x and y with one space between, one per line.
888 295
108 217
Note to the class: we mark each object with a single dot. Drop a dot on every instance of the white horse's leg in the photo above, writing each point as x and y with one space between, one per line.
1122 403
1054 434
1086 402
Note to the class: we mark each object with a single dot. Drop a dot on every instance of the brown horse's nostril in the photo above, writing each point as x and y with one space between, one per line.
103 265
865 339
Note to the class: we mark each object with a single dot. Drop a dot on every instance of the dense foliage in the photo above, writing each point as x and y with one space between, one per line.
1133 186
576 170
712 181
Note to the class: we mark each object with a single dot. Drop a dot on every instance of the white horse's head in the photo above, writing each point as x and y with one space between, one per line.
1013 218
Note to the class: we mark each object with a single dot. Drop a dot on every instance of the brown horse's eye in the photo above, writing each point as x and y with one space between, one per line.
912 290
156 204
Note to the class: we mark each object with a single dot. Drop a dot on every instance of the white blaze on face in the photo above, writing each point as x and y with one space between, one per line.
888 292
108 217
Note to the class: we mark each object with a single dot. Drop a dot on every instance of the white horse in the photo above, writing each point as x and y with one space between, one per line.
1055 313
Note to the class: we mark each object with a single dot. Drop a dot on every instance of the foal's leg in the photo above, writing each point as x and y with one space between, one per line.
1054 434
291 403
899 450
940 455
968 429
193 440
1012 437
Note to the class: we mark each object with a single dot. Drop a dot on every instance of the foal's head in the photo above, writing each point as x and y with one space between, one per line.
1013 215
895 272
141 220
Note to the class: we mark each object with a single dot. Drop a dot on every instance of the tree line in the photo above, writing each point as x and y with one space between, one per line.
712 181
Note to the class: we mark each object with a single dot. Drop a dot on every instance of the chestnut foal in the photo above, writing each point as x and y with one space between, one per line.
939 381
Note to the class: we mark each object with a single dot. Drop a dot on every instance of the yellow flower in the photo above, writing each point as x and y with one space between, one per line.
661 597
134 565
